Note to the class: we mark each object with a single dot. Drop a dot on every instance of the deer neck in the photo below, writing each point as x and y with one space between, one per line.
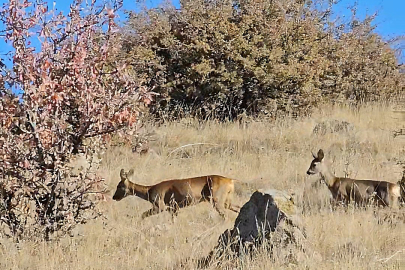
328 176
139 190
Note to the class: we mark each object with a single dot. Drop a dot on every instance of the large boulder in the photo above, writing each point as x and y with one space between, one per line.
268 221
333 126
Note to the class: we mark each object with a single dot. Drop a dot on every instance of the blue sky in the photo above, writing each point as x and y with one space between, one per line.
390 21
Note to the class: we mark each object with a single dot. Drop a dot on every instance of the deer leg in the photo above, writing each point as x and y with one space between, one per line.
173 206
345 200
219 201
150 212
235 208
220 210
219 206
230 206
334 204
394 202
157 208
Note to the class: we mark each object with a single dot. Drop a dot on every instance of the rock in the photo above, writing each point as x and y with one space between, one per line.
333 126
268 220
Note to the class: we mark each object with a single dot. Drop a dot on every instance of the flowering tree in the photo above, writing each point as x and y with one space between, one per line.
73 98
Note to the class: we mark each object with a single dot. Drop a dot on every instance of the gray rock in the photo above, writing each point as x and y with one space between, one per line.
268 221
333 126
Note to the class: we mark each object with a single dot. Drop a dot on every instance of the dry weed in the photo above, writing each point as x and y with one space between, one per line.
262 155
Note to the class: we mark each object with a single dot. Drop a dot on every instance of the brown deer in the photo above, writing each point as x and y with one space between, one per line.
171 195
362 192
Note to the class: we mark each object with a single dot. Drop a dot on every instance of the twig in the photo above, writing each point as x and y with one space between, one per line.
108 131
384 260
97 192
191 144
44 186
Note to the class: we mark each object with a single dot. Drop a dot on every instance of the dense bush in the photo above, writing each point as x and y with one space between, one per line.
71 101
222 58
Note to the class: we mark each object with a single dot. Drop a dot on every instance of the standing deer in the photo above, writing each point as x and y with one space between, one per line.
171 195
361 192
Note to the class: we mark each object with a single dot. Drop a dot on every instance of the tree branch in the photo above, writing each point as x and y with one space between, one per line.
108 131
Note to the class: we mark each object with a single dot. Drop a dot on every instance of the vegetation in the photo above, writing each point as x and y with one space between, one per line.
263 155
218 59
72 100
88 82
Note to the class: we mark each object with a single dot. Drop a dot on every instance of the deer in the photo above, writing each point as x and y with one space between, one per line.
362 192
171 195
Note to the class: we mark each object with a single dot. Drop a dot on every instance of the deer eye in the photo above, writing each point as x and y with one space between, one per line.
314 164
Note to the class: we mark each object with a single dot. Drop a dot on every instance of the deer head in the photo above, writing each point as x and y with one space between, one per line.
123 186
317 164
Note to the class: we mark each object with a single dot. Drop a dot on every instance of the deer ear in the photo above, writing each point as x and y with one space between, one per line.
131 172
122 174
313 154
320 154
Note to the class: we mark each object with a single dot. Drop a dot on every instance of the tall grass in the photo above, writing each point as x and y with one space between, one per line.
262 154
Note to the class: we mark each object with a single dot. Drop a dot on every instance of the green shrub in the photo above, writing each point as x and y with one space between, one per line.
219 59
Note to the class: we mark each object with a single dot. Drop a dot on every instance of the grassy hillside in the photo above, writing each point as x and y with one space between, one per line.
263 154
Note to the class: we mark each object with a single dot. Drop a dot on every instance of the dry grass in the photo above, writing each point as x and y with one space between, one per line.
260 153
